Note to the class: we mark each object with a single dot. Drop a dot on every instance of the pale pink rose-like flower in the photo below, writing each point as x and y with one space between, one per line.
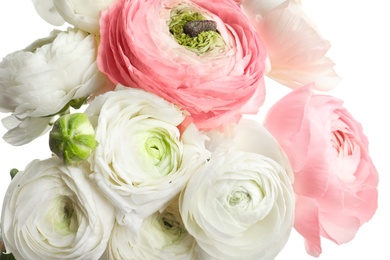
335 179
296 49
215 84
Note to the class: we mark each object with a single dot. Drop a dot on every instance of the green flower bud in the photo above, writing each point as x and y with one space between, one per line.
72 138
13 172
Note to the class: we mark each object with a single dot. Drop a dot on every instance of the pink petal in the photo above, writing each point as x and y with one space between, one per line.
296 49
339 228
307 224
298 128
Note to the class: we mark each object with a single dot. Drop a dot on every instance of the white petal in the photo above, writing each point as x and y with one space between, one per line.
255 7
46 9
26 130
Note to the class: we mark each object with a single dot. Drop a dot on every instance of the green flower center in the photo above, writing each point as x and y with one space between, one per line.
191 30
173 226
162 151
62 216
238 197
157 147
243 196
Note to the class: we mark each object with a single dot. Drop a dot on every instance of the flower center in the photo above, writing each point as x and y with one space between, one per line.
238 197
62 215
348 152
169 221
243 196
156 148
162 151
342 144
172 225
191 30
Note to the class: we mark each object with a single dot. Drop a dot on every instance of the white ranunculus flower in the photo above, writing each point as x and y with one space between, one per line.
43 79
162 236
142 160
289 35
83 14
240 205
51 211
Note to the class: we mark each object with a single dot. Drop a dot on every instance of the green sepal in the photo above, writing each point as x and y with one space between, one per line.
4 256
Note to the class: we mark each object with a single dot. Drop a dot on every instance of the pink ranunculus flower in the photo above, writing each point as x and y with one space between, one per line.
335 179
296 49
216 75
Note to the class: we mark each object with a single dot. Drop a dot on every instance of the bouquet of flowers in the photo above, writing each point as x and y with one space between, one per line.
149 107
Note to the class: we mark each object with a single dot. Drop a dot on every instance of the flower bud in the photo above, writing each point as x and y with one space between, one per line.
72 138
13 172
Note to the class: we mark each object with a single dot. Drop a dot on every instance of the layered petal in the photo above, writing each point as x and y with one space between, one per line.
142 160
143 45
46 78
48 12
51 211
335 179
81 13
253 8
162 236
295 47
239 205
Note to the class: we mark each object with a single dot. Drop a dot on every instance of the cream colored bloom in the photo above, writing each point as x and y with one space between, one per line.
83 14
51 211
240 204
42 80
162 236
142 160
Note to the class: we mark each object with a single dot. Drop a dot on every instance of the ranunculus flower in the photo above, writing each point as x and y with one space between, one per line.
142 160
83 14
44 79
295 47
335 178
51 211
162 236
240 204
216 74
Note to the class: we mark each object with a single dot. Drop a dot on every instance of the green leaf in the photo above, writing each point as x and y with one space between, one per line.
4 256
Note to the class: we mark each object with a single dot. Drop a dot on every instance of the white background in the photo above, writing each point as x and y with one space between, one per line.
359 34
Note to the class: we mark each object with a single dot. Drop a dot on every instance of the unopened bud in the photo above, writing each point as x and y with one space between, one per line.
72 138
13 172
